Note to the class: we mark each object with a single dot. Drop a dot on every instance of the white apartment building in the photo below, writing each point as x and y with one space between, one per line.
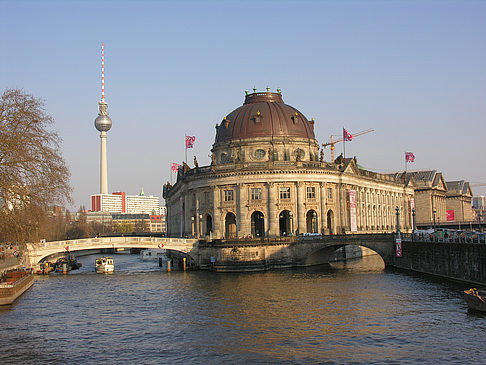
142 204
119 202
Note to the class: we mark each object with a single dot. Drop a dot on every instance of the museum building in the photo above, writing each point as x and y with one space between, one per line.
267 178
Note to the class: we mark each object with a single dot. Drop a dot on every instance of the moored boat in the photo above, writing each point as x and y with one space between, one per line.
14 283
153 254
475 299
104 265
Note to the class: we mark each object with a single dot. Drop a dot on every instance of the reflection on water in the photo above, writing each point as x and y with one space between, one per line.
352 313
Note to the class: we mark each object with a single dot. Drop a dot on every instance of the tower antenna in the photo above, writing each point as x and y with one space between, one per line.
102 73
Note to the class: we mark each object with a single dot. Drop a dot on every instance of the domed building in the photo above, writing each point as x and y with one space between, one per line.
267 178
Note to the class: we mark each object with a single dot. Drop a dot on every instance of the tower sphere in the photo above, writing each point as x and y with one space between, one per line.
103 123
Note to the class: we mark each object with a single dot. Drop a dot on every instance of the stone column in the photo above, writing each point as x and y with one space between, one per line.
270 216
197 220
216 213
242 219
301 226
187 214
323 196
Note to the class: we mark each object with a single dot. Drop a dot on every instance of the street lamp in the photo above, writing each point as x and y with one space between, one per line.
434 212
192 226
413 220
200 225
397 210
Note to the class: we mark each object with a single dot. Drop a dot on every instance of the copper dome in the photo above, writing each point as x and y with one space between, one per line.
264 115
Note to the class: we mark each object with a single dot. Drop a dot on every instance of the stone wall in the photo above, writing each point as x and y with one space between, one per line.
457 261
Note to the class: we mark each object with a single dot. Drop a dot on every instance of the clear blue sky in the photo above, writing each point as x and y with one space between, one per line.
415 71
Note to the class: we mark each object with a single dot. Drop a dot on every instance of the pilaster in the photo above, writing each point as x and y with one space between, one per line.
270 219
301 226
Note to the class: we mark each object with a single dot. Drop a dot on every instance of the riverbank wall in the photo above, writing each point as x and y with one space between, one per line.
464 262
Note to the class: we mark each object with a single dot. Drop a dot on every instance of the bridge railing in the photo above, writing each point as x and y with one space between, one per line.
110 240
300 238
448 237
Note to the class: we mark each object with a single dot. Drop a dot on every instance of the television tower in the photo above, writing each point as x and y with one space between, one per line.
103 124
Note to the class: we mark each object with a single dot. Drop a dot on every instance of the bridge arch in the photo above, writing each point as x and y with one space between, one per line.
321 249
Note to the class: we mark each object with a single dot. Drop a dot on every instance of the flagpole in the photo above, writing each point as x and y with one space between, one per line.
344 144
406 166
185 143
406 163
171 174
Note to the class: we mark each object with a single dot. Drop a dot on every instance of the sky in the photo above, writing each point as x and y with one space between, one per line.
414 71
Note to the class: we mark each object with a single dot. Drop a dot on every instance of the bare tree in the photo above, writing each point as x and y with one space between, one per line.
33 174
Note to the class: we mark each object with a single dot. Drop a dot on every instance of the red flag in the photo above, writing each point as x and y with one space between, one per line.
190 141
174 167
409 157
347 136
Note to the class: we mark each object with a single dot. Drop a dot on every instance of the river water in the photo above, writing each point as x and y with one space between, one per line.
354 313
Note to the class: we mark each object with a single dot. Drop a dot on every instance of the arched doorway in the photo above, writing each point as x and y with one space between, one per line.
209 224
285 223
330 221
257 224
311 221
230 225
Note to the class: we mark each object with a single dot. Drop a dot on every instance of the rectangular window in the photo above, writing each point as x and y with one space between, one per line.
329 193
256 194
228 196
284 193
311 193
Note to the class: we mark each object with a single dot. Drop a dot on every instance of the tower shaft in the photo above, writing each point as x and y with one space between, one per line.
103 165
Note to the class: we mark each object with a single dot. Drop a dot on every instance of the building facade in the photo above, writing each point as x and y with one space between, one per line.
119 202
430 197
479 208
459 201
267 178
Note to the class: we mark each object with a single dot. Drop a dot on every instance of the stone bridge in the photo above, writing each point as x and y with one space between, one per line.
265 254
231 255
36 252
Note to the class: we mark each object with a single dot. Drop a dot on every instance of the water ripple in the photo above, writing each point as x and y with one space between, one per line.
352 314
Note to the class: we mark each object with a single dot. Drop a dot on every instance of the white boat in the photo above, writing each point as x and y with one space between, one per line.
104 265
153 254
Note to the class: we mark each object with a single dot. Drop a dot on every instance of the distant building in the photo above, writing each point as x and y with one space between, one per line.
131 222
157 223
479 207
119 202
110 203
437 201
142 204
479 202
429 196
103 218
458 201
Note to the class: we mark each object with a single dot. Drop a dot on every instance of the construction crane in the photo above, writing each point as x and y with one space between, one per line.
477 185
333 142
